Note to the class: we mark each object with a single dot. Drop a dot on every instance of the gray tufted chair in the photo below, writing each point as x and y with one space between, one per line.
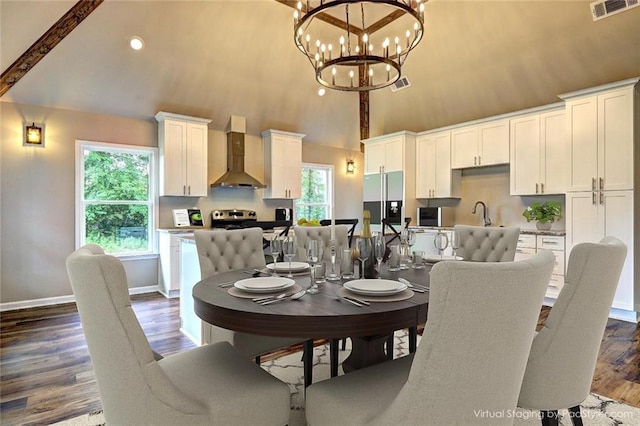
306 233
212 384
487 244
472 356
563 355
229 250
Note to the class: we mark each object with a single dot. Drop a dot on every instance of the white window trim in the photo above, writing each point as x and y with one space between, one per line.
80 224
330 190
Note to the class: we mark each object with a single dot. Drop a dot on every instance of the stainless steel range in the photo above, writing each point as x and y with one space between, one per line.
231 218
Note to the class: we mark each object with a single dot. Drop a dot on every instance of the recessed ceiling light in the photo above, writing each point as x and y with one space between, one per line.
321 91
136 43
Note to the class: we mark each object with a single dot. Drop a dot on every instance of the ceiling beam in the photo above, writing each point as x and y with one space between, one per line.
46 43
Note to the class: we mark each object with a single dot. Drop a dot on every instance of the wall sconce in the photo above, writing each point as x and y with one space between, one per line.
351 167
33 136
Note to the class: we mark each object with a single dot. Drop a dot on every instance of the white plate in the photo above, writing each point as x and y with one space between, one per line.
375 287
284 266
436 259
264 284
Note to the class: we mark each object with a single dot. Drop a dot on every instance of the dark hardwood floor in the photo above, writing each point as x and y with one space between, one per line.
46 374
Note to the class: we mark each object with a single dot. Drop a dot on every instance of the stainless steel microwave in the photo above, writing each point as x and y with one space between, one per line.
435 216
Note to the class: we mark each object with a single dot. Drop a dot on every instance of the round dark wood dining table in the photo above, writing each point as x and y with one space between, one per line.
320 315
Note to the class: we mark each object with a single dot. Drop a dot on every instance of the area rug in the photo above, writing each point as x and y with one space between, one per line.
596 410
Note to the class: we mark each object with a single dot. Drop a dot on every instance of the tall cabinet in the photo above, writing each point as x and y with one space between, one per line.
183 155
282 164
603 126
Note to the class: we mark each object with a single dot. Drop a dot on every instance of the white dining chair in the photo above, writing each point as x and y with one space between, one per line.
212 384
564 353
471 359
487 244
229 250
323 233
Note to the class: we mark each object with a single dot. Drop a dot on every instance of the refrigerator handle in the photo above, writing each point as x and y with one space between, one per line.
383 195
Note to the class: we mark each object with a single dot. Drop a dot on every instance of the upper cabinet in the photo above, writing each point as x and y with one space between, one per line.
538 153
483 144
600 131
282 164
434 177
182 141
389 153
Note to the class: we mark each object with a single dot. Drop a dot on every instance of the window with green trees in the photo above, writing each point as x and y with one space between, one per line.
116 197
317 184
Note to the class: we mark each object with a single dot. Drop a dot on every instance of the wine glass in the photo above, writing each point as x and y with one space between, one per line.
411 240
454 242
334 275
314 256
441 241
364 250
276 249
379 249
289 250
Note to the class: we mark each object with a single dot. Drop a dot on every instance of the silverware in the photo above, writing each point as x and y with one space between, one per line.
414 287
265 298
344 299
226 284
294 296
355 299
257 272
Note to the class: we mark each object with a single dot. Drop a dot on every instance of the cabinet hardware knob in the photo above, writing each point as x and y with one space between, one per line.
184 189
536 188
601 183
542 188
593 184
479 160
475 160
601 198
593 198
189 189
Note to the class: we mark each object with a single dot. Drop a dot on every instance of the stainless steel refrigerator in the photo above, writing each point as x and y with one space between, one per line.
383 197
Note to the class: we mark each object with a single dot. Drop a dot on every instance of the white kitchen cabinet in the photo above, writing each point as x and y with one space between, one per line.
282 164
600 127
190 323
538 154
387 153
169 267
529 245
483 144
592 215
434 177
183 143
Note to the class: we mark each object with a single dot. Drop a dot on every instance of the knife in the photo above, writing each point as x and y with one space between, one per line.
354 299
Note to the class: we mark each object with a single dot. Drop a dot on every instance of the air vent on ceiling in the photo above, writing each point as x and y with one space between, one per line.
605 8
401 83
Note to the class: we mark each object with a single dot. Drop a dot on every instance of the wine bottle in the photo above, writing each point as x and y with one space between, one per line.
370 262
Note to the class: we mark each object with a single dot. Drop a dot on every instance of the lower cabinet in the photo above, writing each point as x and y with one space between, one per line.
169 274
424 242
528 245
191 324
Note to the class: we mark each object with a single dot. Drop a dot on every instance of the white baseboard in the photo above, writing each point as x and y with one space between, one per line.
58 300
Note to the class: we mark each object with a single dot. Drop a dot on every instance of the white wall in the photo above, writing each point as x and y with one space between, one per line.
37 199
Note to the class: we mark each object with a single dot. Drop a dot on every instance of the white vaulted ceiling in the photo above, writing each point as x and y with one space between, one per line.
215 59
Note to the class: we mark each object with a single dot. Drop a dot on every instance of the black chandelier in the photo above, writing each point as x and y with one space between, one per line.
349 57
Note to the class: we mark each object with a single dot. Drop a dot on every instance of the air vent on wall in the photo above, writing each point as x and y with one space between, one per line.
605 8
401 83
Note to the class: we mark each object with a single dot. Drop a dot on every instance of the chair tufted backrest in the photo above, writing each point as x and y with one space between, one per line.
306 233
564 354
487 244
228 250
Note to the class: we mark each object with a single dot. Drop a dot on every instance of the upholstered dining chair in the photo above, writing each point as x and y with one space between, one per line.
229 250
351 222
211 384
323 233
487 244
470 362
564 353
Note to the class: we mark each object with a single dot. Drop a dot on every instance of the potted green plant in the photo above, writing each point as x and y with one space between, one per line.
544 214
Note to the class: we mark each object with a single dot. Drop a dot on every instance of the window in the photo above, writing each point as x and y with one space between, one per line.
317 187
116 197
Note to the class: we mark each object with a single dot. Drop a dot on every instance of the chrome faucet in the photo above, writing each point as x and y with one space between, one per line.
485 219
